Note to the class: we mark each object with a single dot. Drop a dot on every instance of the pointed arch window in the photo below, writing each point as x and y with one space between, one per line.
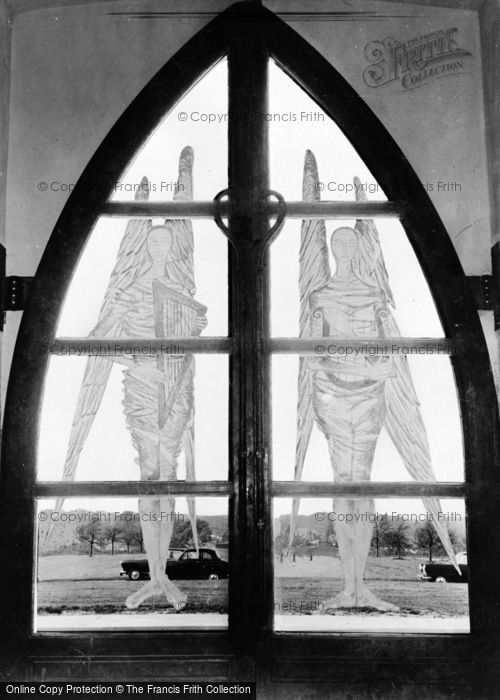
280 273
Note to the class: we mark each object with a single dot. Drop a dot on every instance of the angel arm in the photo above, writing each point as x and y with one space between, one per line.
377 372
199 323
316 322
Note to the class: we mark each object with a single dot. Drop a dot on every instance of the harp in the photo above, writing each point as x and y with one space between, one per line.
174 316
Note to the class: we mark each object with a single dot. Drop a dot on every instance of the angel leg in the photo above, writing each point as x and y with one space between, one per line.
158 457
157 523
352 423
171 440
174 596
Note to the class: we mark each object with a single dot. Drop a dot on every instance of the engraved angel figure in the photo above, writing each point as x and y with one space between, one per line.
150 294
352 397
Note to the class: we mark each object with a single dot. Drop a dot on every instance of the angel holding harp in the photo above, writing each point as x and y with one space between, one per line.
351 398
150 294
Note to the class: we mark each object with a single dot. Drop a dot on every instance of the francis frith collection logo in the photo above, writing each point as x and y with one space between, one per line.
414 62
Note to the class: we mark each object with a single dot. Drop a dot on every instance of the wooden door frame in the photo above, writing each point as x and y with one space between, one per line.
282 657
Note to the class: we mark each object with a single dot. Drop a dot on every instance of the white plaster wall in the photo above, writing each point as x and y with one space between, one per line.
439 126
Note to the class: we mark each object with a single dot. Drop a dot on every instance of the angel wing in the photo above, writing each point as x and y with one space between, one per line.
314 273
180 267
191 476
126 270
132 260
404 421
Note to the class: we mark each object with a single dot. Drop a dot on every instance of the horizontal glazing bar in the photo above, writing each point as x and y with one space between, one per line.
412 489
334 210
293 210
171 210
114 347
51 489
366 346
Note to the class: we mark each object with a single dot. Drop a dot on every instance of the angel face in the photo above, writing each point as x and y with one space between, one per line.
159 243
344 244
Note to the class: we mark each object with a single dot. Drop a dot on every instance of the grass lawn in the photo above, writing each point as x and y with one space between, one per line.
74 567
79 583
383 568
306 595
105 596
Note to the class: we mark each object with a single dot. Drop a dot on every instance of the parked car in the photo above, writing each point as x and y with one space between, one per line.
205 564
443 572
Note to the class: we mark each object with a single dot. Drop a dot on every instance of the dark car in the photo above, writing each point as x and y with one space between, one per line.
205 564
444 572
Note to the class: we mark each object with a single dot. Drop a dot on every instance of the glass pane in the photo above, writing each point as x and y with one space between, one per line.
108 427
119 264
96 559
383 266
404 427
296 124
199 120
358 565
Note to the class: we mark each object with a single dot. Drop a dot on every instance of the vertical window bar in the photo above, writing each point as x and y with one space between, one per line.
248 181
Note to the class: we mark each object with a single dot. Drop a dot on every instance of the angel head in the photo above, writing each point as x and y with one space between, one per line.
159 244
344 244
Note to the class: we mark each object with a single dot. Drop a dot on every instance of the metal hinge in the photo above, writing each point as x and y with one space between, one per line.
15 293
495 267
14 290
482 289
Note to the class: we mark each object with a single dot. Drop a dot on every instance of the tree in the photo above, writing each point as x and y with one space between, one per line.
398 538
281 542
91 534
130 529
112 533
427 537
183 534
380 530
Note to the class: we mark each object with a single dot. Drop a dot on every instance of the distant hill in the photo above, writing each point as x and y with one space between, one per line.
63 537
308 525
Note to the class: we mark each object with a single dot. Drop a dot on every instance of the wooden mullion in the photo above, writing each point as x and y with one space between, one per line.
50 489
339 210
330 346
168 209
115 347
379 489
294 210
248 225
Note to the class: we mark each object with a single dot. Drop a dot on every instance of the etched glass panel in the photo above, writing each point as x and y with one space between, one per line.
407 574
97 568
118 437
390 266
297 124
330 424
117 263
198 119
